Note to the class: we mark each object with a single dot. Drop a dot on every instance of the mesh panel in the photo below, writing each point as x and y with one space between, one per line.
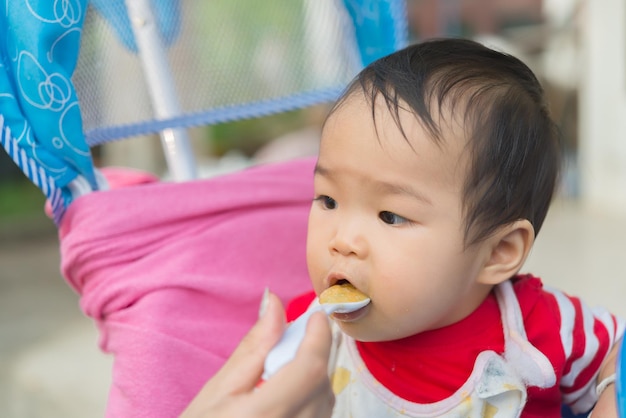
228 60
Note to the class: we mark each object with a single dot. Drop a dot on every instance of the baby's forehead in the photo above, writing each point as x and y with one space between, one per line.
432 106
447 124
399 126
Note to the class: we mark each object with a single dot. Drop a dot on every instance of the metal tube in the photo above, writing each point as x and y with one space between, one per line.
175 141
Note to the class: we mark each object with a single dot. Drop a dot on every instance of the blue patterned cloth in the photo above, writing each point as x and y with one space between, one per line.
39 113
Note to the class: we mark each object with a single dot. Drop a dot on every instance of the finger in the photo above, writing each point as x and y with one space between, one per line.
303 379
243 369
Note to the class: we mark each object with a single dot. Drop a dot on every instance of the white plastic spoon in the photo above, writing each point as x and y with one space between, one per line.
285 350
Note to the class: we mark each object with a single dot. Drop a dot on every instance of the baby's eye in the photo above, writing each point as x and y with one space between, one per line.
391 218
327 202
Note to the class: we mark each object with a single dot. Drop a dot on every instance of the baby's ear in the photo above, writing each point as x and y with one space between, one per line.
510 247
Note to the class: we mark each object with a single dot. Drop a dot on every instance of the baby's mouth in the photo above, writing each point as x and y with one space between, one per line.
342 292
344 302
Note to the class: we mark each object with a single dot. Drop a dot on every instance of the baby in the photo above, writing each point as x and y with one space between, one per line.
435 173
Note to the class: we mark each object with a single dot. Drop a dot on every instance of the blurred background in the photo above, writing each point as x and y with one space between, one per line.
49 362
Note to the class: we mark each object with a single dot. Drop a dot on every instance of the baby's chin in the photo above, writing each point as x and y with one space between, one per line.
363 332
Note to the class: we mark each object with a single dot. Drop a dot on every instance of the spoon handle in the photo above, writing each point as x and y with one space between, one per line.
285 350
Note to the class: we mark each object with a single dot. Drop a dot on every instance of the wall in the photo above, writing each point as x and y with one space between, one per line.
602 126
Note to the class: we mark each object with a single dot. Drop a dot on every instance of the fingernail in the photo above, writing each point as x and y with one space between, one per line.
265 300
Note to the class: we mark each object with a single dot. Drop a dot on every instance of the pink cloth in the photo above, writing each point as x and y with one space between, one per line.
173 274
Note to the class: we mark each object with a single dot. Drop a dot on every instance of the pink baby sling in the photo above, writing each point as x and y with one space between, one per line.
173 273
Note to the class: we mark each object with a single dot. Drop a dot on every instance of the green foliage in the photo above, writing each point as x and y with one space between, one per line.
20 199
249 135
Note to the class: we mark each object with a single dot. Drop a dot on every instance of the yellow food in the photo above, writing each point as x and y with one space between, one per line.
342 293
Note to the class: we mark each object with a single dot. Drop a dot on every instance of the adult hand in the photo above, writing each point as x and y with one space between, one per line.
300 389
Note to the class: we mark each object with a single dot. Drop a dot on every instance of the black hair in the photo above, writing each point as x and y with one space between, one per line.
513 144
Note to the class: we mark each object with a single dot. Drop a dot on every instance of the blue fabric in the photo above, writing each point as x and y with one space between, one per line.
39 45
620 382
376 27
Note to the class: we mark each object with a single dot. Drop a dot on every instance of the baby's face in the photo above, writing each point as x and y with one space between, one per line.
388 219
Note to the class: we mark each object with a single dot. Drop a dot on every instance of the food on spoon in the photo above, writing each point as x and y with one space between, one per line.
342 293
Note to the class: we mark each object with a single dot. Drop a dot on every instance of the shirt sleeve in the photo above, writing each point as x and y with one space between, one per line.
587 336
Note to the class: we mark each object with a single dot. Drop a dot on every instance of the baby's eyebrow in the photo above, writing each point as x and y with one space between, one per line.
321 170
401 189
383 186
325 172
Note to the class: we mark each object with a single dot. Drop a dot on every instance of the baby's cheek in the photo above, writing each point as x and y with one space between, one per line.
397 318
316 278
